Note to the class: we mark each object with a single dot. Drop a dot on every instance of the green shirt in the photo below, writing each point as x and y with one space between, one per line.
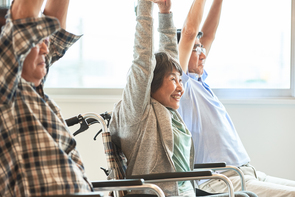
181 151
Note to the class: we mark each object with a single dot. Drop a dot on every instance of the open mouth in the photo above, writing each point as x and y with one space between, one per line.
177 97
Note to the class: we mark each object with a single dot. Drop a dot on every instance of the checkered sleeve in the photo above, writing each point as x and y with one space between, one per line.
28 32
60 42
16 40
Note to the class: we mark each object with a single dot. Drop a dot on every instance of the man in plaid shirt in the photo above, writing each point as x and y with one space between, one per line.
38 154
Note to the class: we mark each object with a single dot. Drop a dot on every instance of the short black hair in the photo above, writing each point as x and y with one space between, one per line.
200 34
164 64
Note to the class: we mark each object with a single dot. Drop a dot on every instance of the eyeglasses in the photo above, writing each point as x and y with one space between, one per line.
46 41
200 49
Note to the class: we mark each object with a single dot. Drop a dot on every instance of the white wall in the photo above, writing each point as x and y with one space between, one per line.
266 127
268 133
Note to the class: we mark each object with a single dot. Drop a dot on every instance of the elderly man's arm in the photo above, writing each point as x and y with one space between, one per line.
25 8
57 9
189 32
211 24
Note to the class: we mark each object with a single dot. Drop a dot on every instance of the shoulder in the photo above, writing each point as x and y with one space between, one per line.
185 78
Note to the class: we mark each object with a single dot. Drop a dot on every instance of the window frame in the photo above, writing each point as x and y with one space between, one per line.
221 93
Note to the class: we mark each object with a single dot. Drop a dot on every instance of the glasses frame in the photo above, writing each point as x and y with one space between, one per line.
199 50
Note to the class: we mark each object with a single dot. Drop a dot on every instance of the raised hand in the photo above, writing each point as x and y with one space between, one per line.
164 5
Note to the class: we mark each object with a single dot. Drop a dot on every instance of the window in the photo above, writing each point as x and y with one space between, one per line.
102 57
251 55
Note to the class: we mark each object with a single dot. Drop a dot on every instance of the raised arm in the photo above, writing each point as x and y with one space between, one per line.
189 32
62 40
136 95
167 30
23 30
211 24
57 9
137 92
25 8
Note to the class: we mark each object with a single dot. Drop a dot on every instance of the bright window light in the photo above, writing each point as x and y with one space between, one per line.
251 50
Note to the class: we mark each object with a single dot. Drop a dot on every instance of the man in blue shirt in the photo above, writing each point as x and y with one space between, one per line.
213 132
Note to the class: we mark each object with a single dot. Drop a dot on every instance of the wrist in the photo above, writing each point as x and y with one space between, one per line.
165 12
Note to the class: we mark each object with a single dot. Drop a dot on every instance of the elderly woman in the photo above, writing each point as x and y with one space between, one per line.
145 123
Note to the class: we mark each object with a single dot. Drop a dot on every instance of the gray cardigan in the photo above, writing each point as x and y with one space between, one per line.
140 125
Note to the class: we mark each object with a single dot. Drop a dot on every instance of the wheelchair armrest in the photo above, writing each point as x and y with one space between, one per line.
184 176
222 166
210 165
90 194
126 184
171 175
117 183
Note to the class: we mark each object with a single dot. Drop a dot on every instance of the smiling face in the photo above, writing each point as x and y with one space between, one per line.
34 68
170 91
197 60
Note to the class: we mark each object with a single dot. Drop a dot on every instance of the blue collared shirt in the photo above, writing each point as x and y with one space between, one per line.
214 135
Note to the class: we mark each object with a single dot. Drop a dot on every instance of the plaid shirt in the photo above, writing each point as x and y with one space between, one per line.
38 154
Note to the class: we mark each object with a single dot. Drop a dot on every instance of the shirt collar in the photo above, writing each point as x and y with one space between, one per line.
194 75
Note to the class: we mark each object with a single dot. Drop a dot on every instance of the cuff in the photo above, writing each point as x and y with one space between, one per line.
63 40
166 21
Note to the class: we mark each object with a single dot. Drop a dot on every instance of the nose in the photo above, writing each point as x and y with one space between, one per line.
180 88
202 57
44 48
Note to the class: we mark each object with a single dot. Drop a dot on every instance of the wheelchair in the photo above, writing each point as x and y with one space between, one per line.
117 162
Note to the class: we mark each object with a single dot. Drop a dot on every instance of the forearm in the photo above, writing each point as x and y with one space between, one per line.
25 8
211 24
136 95
189 32
58 9
143 40
167 30
193 20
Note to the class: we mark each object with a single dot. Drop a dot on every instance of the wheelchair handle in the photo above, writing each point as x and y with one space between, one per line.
72 121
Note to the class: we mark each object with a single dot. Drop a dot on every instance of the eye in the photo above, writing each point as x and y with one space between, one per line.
46 42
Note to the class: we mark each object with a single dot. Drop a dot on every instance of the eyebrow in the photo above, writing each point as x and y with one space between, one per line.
174 74
198 45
